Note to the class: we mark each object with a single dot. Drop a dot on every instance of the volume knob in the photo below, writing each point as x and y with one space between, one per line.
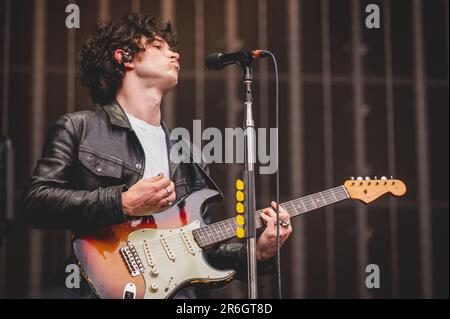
154 287
154 272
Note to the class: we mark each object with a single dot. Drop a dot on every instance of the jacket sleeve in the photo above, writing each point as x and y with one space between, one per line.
51 200
233 255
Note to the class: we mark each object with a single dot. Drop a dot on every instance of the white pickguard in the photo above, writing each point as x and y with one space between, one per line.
176 257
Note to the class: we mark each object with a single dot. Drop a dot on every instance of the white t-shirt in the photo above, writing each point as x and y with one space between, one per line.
153 140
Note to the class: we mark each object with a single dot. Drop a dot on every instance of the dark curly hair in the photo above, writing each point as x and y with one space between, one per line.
101 74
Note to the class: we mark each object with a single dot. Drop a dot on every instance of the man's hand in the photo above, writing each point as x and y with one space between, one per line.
266 245
148 196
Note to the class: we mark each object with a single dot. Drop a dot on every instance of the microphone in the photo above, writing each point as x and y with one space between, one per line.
219 60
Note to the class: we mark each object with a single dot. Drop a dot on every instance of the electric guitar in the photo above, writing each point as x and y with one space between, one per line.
153 257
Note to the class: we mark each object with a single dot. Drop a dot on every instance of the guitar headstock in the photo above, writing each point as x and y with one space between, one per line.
367 190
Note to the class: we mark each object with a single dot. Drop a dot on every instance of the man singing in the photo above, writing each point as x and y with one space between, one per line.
110 166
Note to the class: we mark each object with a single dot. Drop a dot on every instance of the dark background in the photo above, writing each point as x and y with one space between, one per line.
353 101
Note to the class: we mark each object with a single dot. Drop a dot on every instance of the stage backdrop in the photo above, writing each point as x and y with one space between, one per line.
353 101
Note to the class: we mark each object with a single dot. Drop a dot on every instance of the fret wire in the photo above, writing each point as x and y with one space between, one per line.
323 198
215 232
286 209
332 190
301 200
222 232
200 237
312 200
210 233
298 208
218 232
227 227
203 236
329 197
316 200
223 235
337 193
214 229
345 191
334 195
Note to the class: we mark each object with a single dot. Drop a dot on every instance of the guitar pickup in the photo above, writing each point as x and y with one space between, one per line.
167 248
148 255
187 241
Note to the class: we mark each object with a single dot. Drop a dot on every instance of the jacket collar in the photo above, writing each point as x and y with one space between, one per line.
117 115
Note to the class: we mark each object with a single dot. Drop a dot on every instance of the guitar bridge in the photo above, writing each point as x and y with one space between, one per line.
131 258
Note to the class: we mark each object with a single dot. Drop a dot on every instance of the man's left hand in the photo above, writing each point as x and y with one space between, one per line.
266 245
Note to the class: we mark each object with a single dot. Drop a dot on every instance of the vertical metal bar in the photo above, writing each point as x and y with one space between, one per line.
70 97
168 109
233 104
263 81
391 144
37 129
360 110
104 7
422 152
135 6
296 165
199 60
6 65
328 144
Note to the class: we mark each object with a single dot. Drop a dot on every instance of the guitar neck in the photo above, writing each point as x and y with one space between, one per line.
226 229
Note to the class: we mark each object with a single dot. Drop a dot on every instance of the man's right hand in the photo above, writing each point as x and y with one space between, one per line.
148 196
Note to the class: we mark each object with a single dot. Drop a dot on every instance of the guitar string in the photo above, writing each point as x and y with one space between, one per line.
157 249
213 232
216 237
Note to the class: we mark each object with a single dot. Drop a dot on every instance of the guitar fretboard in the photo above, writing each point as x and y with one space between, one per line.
226 229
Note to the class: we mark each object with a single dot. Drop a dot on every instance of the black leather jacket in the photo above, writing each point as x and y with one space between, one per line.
88 160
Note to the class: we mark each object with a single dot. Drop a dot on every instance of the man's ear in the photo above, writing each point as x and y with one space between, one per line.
124 57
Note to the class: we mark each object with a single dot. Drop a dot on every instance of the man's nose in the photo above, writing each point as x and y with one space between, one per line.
175 55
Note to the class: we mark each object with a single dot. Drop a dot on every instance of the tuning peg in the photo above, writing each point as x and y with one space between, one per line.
367 178
375 178
383 178
352 178
392 177
359 178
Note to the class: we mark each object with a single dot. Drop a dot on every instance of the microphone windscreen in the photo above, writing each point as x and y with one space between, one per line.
212 61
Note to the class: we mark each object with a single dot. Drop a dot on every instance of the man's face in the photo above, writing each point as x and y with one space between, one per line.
158 65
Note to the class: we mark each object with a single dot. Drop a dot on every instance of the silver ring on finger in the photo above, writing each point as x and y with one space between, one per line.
285 223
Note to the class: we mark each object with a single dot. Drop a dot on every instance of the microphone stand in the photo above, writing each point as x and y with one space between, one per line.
249 178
